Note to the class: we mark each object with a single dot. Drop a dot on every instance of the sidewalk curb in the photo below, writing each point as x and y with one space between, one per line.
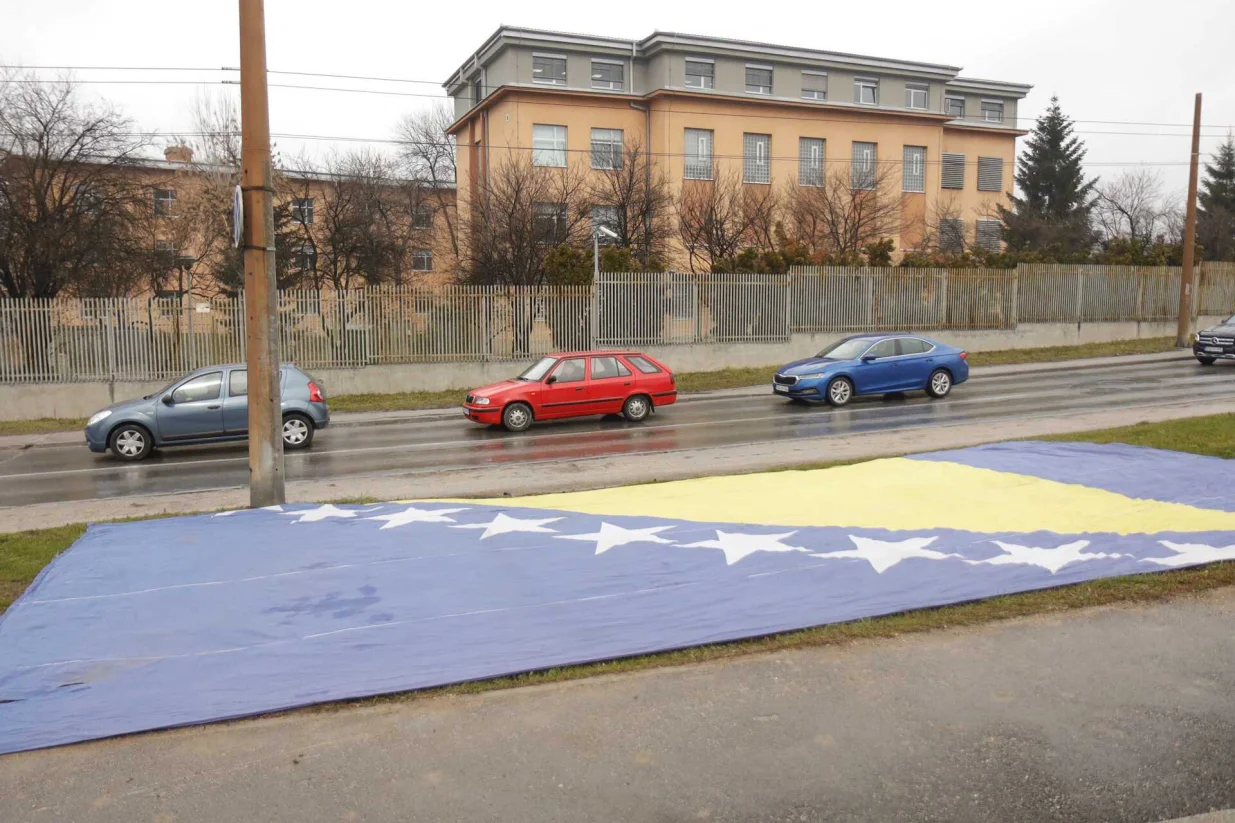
387 418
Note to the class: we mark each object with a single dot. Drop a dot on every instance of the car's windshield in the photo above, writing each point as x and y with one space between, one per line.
850 349
538 371
163 390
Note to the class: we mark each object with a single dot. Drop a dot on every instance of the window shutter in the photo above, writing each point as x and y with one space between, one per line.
990 174
990 233
952 235
953 176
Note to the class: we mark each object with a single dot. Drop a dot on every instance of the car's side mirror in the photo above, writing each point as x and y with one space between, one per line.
869 358
551 379
167 399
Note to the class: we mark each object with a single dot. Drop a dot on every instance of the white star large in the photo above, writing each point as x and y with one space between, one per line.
504 524
324 511
1192 554
884 554
738 546
1050 559
415 515
611 536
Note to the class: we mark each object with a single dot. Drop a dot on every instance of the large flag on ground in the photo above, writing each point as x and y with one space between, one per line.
161 623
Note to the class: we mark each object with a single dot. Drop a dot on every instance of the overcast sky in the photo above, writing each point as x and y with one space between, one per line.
1108 60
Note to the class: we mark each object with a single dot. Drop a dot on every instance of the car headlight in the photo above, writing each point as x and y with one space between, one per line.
98 416
818 376
481 401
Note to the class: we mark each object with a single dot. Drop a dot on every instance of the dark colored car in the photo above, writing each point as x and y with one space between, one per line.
882 363
575 384
1215 343
209 405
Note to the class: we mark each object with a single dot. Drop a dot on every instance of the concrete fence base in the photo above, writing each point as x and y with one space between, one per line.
34 401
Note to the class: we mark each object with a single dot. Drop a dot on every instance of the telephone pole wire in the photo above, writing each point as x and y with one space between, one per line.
1183 332
260 288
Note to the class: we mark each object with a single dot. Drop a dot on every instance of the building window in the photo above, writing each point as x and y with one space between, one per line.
916 95
549 69
814 85
866 91
992 111
549 222
422 260
164 202
304 258
302 210
989 235
990 174
606 216
700 74
422 217
913 177
952 235
759 79
548 145
810 161
755 159
698 154
478 91
954 107
608 74
862 169
953 175
607 149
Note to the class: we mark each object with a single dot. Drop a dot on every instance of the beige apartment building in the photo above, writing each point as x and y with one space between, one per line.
945 144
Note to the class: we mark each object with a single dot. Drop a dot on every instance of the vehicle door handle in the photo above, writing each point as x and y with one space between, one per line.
579 389
216 406
627 383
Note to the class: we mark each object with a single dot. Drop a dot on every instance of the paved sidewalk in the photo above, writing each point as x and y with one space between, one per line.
345 419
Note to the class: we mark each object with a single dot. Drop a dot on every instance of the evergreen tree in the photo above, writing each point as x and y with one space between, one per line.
1052 213
1215 228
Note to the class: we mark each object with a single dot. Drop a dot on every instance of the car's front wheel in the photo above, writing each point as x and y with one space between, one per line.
1206 361
940 384
637 408
517 417
130 442
840 391
297 432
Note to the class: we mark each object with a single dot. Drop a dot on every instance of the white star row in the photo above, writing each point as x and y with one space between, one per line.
881 554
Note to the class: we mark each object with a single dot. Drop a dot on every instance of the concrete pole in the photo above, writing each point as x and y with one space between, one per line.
260 290
1183 331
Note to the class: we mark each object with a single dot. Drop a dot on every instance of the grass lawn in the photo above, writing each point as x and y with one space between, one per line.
1213 435
24 554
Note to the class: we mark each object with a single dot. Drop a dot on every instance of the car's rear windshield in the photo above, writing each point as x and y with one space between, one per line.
539 370
850 349
643 364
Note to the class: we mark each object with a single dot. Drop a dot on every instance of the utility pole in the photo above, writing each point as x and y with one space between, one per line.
260 290
1183 332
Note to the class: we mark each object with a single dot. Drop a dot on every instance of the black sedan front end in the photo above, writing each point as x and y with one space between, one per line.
1214 344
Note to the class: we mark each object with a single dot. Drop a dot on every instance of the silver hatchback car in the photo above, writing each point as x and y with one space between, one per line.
210 405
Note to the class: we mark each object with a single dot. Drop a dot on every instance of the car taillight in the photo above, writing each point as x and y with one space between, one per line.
315 394
964 355
673 381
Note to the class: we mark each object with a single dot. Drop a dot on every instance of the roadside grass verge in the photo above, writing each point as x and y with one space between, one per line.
688 382
1212 435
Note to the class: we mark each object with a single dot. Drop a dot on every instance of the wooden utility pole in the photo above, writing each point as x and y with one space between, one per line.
260 289
1183 331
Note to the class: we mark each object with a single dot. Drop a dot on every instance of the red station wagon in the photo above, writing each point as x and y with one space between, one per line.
575 384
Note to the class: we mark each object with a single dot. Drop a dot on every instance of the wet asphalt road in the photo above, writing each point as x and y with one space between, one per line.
62 472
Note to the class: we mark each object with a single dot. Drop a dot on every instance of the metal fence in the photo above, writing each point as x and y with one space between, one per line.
65 340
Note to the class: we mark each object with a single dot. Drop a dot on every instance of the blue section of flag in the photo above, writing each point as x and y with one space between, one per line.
1133 471
170 622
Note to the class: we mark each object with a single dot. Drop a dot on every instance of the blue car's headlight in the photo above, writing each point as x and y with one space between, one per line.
816 376
98 416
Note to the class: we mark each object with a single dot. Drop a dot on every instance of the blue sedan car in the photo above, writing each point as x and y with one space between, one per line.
881 363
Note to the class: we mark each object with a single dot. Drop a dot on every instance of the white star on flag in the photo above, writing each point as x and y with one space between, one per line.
1192 554
505 524
324 511
884 554
737 546
611 536
1050 559
415 515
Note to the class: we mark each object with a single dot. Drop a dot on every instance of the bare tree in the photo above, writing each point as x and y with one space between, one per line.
427 159
520 213
68 197
849 210
714 219
1132 207
637 202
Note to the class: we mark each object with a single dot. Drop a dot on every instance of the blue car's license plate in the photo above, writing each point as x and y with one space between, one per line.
779 388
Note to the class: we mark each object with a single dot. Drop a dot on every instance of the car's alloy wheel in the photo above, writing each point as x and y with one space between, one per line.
941 384
297 432
637 408
517 417
840 391
130 443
